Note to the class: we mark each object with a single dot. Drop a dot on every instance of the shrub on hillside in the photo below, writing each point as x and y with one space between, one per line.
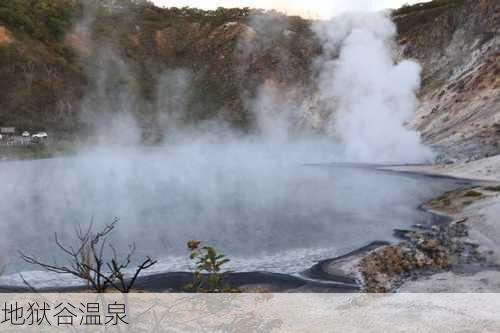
45 19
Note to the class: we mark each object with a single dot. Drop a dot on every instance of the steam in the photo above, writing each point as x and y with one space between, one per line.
371 96
361 97
110 105
243 193
356 106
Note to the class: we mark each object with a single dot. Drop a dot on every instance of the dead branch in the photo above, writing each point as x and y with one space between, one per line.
88 263
30 287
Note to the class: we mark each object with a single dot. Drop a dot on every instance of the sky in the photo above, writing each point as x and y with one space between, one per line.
307 8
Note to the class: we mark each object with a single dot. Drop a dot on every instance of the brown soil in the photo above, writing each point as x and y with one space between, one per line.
5 36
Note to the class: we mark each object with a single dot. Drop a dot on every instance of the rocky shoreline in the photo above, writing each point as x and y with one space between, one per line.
429 250
423 252
443 251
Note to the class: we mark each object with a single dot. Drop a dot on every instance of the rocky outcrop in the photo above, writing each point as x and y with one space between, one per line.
463 246
458 46
424 251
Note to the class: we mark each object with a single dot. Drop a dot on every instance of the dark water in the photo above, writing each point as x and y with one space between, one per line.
266 213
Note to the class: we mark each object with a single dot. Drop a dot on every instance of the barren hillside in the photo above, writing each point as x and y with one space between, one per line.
458 45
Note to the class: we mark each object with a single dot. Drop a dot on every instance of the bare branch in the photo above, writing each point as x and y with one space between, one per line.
87 261
145 265
30 287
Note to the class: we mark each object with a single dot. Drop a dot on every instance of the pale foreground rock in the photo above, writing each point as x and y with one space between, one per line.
480 282
480 208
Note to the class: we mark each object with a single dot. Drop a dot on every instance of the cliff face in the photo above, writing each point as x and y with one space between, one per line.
458 45
219 59
222 59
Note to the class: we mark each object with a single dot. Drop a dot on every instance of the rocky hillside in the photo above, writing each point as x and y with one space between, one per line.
148 56
458 45
41 79
198 65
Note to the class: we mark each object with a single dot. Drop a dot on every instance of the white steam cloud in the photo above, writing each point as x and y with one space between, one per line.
371 96
362 100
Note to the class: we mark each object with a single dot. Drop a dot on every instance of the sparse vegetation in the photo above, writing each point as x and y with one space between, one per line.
473 193
87 261
457 199
492 188
407 9
421 15
208 276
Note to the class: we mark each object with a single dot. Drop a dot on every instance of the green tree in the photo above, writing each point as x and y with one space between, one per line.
44 18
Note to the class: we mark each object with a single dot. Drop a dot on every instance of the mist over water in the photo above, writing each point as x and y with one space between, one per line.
256 197
251 210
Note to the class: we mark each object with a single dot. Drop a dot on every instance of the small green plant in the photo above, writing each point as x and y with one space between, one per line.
208 276
492 188
473 193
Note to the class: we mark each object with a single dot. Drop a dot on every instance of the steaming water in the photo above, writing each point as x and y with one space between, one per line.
266 212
